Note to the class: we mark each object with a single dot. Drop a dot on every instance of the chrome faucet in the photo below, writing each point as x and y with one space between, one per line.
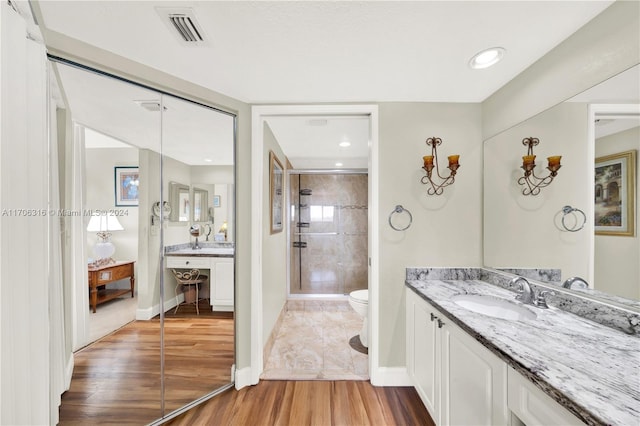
525 294
580 283
528 296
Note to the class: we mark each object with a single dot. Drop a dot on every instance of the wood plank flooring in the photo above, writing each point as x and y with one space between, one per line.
300 403
116 380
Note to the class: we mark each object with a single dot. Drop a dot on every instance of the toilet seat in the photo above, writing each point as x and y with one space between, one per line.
359 296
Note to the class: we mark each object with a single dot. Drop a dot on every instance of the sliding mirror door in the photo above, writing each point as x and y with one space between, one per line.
136 357
198 152
109 177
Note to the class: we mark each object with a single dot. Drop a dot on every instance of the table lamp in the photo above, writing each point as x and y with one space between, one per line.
103 224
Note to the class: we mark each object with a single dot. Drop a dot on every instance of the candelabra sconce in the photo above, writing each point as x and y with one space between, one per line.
431 162
532 183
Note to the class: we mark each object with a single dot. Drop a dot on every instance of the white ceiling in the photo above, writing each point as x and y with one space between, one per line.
190 133
332 51
336 51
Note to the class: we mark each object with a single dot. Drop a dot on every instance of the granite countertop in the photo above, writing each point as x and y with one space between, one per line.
590 369
205 250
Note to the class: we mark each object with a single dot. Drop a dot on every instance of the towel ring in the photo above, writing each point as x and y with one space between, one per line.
568 209
400 209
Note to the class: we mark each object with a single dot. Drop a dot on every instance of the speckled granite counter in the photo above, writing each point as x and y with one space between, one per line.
590 369
205 250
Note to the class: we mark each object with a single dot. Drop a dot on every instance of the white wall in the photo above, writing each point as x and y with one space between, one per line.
617 265
274 246
521 231
99 164
446 229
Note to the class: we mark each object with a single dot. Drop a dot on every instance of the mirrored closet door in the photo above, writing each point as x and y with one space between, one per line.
144 346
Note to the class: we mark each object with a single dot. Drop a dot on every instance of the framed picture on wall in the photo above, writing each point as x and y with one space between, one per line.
127 181
615 188
216 201
276 185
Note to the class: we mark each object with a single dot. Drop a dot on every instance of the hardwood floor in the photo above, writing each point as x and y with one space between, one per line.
299 403
116 380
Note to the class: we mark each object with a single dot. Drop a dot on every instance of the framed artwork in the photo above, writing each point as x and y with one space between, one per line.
127 181
216 201
615 188
276 185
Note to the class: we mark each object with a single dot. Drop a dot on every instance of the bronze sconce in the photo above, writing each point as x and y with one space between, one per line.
533 183
429 160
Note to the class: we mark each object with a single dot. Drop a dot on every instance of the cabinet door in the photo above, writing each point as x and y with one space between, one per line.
222 284
422 352
534 407
474 381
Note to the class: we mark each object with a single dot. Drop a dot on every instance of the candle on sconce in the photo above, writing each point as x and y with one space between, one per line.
554 161
528 159
428 160
453 160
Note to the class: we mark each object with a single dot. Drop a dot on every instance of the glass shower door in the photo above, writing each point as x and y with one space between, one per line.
328 229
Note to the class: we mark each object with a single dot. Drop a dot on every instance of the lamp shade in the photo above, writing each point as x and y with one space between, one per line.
104 222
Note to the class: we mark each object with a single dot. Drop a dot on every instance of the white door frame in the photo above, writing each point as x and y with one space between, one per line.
258 116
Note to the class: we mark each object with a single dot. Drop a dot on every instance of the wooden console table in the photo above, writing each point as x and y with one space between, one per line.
100 276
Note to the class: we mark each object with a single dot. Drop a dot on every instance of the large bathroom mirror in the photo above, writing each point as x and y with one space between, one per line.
526 232
180 202
165 357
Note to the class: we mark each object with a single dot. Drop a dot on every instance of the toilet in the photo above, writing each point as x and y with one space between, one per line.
359 301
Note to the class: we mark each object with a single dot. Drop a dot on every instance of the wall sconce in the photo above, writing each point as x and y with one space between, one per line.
534 183
429 160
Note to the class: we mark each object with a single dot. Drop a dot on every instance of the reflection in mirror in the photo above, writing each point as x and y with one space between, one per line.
200 205
180 202
198 152
525 232
116 131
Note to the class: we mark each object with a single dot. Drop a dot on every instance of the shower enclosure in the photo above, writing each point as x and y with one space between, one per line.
328 244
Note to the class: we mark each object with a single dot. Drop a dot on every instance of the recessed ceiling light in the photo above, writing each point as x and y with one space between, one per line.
486 58
345 144
208 160
338 164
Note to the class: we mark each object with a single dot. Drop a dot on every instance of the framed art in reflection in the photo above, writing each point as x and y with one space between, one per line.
615 187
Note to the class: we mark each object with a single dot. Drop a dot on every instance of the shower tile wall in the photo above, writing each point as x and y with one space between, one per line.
334 260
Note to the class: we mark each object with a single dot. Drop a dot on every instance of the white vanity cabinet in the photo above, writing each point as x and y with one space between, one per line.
222 273
221 277
460 381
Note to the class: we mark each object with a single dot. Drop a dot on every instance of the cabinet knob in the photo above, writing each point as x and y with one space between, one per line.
433 317
440 323
187 262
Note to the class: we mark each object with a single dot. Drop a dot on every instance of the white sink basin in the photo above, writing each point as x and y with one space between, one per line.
493 307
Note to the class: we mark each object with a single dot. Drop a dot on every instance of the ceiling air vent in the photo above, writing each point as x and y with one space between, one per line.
183 23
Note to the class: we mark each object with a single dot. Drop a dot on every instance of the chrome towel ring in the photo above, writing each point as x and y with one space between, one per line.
576 225
399 209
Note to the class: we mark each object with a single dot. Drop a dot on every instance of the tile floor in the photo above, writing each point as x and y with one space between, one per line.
312 343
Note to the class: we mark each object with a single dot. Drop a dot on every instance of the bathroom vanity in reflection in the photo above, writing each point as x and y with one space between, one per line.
218 261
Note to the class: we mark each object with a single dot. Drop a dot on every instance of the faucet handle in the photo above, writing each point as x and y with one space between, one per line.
541 298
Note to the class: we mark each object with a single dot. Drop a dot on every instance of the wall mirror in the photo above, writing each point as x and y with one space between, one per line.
180 202
524 232
177 356
200 205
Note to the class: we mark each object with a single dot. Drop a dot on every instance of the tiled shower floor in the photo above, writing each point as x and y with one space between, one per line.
313 343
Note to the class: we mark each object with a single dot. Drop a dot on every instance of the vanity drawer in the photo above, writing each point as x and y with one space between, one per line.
533 407
188 262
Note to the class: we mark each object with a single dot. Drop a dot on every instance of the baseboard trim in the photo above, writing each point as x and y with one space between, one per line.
148 313
243 378
391 376
68 372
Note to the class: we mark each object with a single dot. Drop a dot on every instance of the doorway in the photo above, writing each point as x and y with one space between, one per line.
260 137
